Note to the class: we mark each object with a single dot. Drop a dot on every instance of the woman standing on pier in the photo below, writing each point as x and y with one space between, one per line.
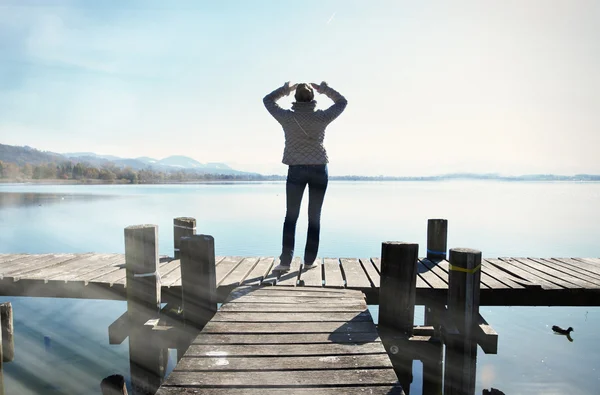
304 130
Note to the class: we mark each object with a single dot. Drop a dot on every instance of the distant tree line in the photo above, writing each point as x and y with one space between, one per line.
111 173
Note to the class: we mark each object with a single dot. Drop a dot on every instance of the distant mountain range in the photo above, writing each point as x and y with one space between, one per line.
32 156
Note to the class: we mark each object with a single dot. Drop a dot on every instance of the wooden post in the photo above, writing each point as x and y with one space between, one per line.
198 283
433 371
437 239
182 227
8 343
463 310
398 286
141 271
143 303
113 385
397 304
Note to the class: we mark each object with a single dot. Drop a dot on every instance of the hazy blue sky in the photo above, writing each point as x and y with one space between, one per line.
433 86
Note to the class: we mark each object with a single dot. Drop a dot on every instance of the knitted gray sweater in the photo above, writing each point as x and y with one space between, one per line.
304 127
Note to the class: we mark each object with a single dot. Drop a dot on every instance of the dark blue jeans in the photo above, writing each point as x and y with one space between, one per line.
299 176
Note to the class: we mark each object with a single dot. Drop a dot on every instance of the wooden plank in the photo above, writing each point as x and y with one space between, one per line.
306 300
244 338
519 272
381 361
80 267
113 277
7 258
333 273
226 266
570 271
285 292
60 271
168 279
26 258
238 275
540 271
290 279
286 327
433 275
392 389
312 277
36 262
263 350
289 307
584 263
271 277
427 273
33 268
274 317
118 264
568 265
294 377
354 274
567 280
593 261
259 272
509 280
371 271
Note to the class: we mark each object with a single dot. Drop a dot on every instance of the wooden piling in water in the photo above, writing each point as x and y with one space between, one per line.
113 385
463 311
182 227
143 304
8 343
437 244
199 285
397 304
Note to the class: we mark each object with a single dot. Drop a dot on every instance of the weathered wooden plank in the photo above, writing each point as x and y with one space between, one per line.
26 258
259 272
313 276
593 261
263 350
306 300
394 389
290 279
292 292
567 280
354 274
294 338
294 377
584 263
371 271
433 275
289 307
118 264
7 258
426 272
286 327
32 269
60 271
333 273
238 275
539 271
520 273
275 317
168 279
271 277
570 272
381 361
509 280
80 267
33 262
226 266
113 277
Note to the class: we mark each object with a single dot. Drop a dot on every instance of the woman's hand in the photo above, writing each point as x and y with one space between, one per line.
318 87
290 88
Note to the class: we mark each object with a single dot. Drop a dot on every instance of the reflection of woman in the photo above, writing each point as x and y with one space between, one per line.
306 157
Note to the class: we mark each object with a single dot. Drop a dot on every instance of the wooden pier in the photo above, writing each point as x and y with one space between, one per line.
277 340
504 281
307 330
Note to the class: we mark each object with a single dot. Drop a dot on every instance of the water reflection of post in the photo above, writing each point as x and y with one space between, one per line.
147 358
463 310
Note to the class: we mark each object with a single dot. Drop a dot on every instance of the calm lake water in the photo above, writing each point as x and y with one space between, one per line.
62 344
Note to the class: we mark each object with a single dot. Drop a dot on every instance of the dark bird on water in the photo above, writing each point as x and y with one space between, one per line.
562 331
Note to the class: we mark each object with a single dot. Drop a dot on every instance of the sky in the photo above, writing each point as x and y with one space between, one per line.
433 87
